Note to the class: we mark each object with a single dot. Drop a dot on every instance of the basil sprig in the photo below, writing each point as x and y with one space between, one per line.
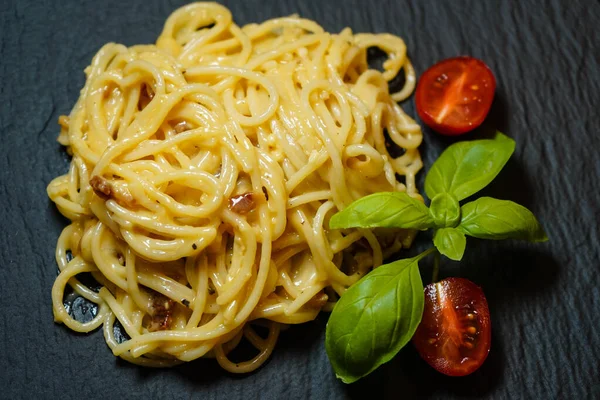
379 314
375 318
462 169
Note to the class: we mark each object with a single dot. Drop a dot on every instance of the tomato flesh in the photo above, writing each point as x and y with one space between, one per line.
455 333
455 95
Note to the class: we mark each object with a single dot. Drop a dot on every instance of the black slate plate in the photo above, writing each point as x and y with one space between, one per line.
544 298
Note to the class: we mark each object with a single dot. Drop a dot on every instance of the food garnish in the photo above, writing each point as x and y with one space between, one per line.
455 95
379 314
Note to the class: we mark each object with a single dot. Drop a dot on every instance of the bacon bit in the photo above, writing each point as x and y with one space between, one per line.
161 312
181 127
106 190
243 203
146 95
101 187
318 301
63 121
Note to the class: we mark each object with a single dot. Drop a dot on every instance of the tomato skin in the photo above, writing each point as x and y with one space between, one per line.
455 95
454 336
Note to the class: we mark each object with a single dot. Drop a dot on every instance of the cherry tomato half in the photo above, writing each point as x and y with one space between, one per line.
455 95
455 333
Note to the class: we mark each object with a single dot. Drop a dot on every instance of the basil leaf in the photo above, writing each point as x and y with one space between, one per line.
386 210
451 242
374 319
489 218
445 210
465 168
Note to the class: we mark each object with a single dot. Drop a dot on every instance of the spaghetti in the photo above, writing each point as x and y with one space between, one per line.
204 171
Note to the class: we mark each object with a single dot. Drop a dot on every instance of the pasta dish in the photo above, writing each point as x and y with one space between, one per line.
204 171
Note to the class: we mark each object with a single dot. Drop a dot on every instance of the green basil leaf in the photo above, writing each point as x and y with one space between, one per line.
445 210
489 218
385 210
374 319
465 168
451 242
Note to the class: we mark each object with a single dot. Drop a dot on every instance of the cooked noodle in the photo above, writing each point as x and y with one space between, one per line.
205 169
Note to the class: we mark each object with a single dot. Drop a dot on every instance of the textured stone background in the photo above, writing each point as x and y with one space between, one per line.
544 299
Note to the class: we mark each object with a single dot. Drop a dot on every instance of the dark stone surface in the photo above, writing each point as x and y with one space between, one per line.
544 298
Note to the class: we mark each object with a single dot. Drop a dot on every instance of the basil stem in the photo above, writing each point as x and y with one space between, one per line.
436 267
